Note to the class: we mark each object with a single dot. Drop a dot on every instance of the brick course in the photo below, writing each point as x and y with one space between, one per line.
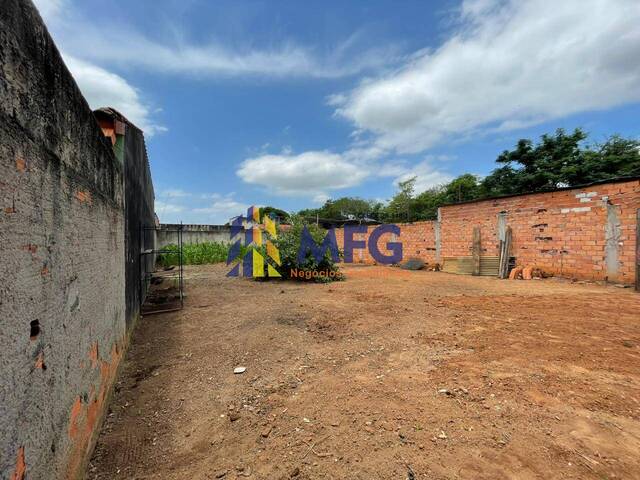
418 241
562 232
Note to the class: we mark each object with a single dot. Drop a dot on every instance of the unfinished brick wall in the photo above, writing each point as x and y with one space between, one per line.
418 241
586 233
62 298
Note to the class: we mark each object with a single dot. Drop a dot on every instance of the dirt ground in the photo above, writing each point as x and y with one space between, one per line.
387 375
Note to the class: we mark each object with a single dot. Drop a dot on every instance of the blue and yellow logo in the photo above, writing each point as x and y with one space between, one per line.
257 242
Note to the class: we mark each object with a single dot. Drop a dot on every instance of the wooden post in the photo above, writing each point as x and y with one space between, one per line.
475 251
505 254
638 250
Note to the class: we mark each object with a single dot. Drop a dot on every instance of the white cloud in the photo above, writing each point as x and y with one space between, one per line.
336 99
221 210
134 50
314 174
210 195
164 208
320 198
176 205
175 193
103 43
509 64
102 88
392 169
426 176
50 9
307 174
94 47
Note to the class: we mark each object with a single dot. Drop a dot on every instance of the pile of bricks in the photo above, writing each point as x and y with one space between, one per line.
528 272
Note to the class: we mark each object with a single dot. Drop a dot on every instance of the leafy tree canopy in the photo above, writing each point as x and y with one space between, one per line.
345 208
558 160
274 213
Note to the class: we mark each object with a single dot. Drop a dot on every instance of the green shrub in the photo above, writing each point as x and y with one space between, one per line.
288 243
194 254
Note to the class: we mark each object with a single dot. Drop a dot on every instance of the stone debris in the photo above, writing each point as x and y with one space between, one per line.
413 264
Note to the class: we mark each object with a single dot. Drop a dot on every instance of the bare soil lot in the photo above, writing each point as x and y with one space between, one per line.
387 375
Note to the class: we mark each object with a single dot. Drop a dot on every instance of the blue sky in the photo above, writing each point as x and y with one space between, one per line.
288 103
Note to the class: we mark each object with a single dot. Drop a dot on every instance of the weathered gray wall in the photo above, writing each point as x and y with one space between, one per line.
62 306
192 234
139 220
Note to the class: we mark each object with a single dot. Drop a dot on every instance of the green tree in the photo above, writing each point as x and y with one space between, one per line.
344 208
543 166
401 208
617 157
560 160
502 181
347 207
405 207
310 213
288 244
462 189
274 213
426 204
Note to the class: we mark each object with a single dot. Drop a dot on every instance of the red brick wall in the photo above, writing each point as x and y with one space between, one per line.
563 232
418 241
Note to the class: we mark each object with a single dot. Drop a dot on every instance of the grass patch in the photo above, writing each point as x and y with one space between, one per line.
194 254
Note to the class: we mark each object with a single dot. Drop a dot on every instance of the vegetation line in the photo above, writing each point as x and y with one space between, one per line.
557 160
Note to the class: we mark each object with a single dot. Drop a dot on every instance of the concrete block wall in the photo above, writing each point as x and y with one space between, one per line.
586 233
139 218
62 296
139 200
418 241
166 234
